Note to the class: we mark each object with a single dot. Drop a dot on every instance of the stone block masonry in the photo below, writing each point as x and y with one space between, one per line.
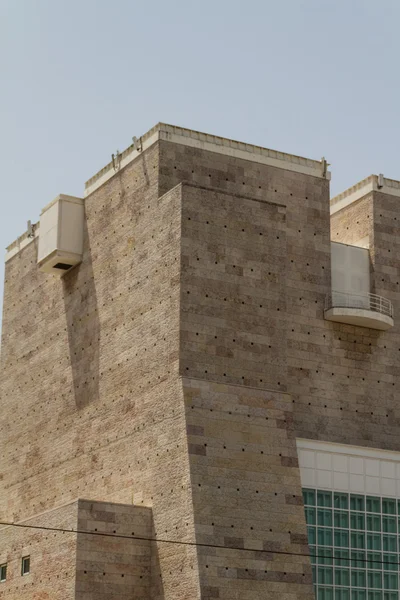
78 566
168 376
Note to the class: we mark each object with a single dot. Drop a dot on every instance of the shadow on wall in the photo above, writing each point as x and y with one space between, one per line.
156 576
83 327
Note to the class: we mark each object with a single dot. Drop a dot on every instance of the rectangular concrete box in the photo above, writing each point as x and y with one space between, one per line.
61 234
350 271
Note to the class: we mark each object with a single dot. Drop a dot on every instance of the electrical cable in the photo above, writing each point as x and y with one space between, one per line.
198 544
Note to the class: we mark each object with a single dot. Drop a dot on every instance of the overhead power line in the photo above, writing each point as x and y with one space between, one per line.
202 545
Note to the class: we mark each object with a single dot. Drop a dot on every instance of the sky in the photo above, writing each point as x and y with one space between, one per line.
79 78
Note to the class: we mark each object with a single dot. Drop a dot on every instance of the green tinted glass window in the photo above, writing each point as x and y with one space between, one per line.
374 560
309 497
325 593
314 573
390 562
358 559
325 556
358 578
325 575
324 536
389 524
342 577
373 504
374 541
374 523
311 516
358 594
312 535
355 540
389 543
357 520
357 502
341 538
324 499
341 518
342 558
390 596
390 581
324 517
375 595
342 594
374 579
388 506
341 501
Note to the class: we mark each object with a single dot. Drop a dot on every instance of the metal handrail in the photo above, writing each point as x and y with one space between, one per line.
373 302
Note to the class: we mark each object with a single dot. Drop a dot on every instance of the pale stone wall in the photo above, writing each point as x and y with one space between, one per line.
65 565
233 326
355 222
360 366
246 492
111 568
52 557
234 336
91 403
100 370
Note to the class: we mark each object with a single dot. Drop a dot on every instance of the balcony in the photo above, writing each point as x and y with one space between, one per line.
368 310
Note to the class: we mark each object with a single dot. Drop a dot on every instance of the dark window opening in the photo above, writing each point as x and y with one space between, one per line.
3 572
26 564
62 266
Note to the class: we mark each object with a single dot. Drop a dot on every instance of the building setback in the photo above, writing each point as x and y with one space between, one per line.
208 395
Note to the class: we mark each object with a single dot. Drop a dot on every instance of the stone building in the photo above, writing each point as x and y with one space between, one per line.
204 404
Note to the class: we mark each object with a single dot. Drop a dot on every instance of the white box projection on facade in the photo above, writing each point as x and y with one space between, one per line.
61 235
350 273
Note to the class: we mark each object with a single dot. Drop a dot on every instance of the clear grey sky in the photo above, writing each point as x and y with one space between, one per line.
80 77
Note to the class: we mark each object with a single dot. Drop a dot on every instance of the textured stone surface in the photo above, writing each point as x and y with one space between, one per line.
92 405
52 557
110 567
175 367
246 492
233 288
80 566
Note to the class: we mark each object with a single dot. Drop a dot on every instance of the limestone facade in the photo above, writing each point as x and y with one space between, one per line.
168 376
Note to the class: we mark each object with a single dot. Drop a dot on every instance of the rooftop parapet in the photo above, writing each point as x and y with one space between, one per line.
194 139
213 143
372 183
